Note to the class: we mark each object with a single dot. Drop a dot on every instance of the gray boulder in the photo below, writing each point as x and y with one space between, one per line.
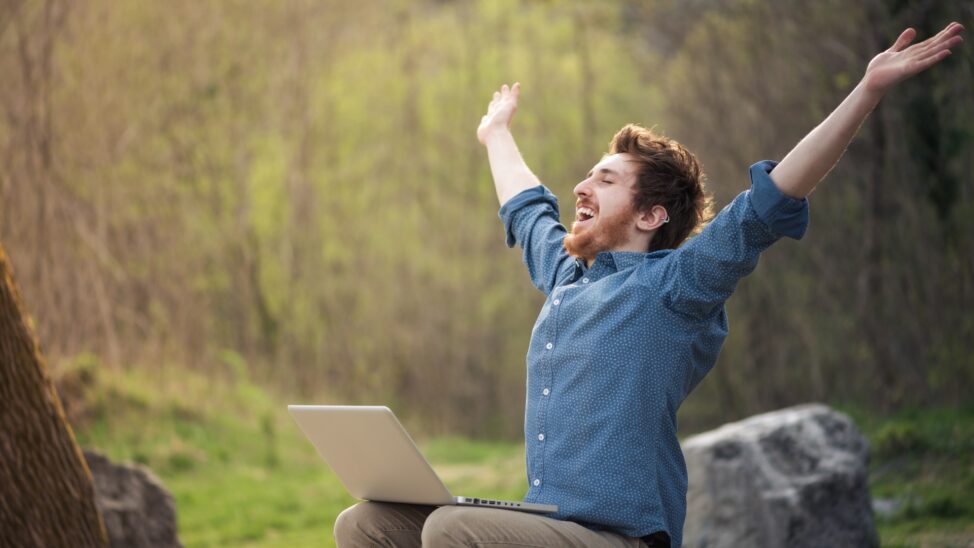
137 510
795 477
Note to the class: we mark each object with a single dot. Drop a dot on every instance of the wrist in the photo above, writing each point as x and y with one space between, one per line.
497 134
870 90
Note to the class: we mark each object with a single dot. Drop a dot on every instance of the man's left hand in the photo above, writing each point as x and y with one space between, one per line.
901 62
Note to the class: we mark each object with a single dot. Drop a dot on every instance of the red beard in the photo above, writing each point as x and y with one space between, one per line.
606 234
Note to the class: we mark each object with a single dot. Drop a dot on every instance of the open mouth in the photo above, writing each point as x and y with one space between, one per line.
585 217
584 214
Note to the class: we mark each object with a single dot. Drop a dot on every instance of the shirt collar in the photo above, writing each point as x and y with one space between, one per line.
622 260
613 260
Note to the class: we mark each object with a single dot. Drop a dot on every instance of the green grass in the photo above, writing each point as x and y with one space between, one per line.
924 460
242 473
240 470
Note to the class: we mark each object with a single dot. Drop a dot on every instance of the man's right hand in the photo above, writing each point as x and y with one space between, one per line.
511 174
500 112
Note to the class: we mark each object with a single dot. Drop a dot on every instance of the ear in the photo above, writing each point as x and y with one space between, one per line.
652 219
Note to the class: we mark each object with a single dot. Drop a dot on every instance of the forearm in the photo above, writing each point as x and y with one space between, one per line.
815 155
511 174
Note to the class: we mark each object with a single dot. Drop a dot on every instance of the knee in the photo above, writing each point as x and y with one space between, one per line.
449 526
380 524
351 527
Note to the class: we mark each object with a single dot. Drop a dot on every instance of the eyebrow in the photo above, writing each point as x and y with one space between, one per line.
605 170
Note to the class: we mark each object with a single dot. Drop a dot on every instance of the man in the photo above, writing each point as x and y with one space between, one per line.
632 322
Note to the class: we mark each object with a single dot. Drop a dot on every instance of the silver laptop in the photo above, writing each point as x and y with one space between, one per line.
375 458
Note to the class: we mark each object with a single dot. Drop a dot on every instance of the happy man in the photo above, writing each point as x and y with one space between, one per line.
632 322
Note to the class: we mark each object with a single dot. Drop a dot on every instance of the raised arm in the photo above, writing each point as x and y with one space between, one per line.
511 173
815 155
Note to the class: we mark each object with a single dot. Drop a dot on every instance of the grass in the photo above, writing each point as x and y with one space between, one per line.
242 473
240 470
923 461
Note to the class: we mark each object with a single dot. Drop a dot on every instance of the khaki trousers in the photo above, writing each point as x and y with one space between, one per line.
395 525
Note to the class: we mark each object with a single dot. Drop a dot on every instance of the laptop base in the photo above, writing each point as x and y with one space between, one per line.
507 505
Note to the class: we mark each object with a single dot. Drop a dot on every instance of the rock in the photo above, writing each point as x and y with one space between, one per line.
795 477
136 508
886 508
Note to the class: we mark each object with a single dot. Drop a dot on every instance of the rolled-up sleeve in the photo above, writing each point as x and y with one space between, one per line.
531 220
509 212
783 215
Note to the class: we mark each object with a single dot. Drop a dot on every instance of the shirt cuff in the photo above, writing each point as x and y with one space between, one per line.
783 215
534 195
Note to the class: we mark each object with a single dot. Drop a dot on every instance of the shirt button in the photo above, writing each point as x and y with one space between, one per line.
537 482
584 280
546 391
540 437
549 346
557 302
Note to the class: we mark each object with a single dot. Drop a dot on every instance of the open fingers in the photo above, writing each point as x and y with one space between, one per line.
938 48
505 92
924 63
947 44
945 36
942 48
946 32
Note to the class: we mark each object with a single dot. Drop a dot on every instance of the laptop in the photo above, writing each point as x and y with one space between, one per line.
376 460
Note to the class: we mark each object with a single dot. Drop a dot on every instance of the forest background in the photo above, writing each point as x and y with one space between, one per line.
294 190
216 208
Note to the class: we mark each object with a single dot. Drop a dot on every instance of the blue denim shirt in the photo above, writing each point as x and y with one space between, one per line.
618 346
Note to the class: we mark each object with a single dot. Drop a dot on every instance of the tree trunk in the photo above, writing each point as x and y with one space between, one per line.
46 493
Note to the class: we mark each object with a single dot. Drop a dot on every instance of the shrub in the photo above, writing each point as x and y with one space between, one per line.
897 438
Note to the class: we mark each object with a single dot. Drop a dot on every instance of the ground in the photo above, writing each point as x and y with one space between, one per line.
242 473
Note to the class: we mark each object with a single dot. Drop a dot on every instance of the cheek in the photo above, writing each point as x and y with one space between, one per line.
619 207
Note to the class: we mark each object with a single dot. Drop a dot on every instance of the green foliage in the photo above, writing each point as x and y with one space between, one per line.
269 431
896 438
944 506
922 460
236 364
292 193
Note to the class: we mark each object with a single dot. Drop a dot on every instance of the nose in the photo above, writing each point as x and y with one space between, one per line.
583 188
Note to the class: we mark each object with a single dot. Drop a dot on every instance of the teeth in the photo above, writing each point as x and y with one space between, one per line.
586 211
